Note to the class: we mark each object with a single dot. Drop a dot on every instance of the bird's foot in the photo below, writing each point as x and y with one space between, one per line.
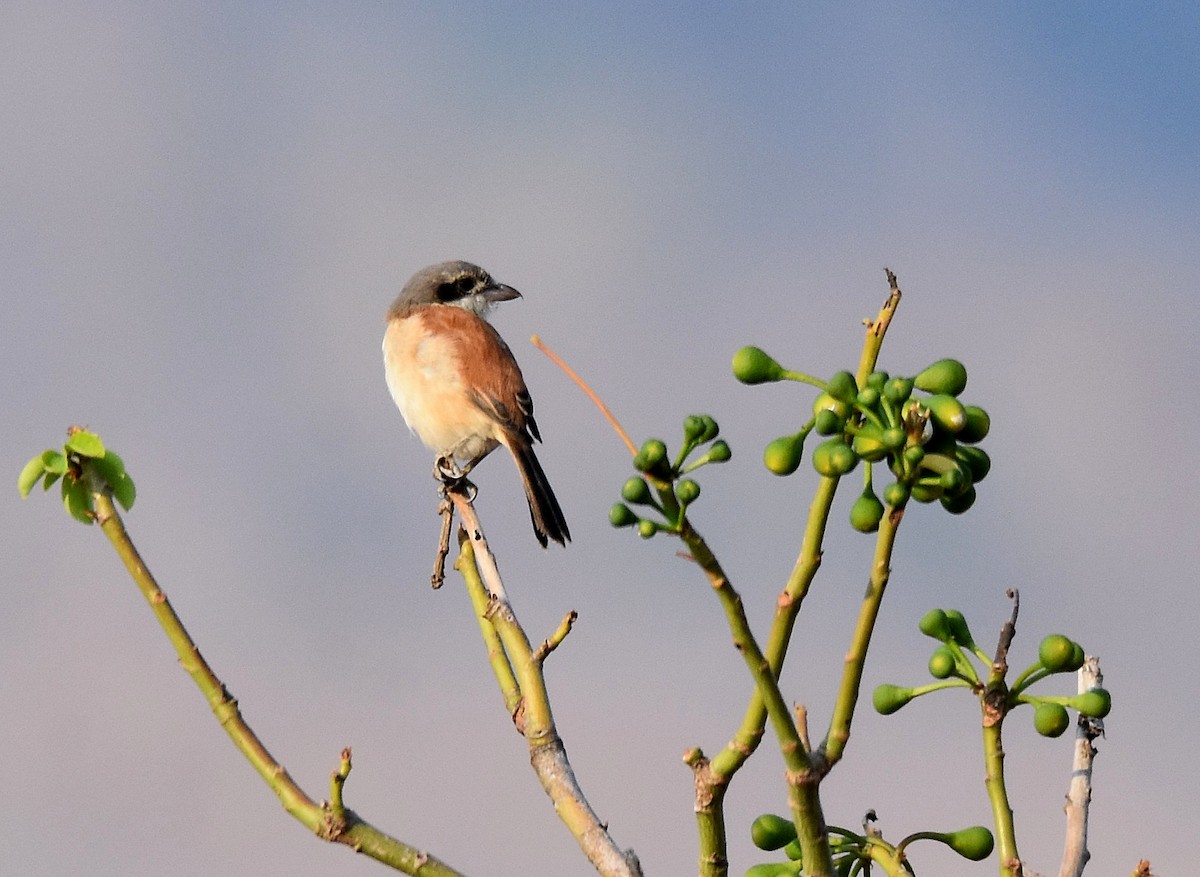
452 477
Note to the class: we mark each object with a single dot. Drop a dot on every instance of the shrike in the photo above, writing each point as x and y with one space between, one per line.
458 386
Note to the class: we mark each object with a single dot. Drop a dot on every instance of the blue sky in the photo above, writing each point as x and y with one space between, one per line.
204 214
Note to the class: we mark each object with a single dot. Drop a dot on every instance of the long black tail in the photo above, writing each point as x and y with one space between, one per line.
544 511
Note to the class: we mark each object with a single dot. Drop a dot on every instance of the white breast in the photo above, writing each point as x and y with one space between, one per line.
430 393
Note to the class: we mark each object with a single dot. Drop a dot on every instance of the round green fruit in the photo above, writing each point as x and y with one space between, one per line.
834 458
652 453
1055 652
1095 704
1051 719
687 491
942 663
897 390
896 494
771 832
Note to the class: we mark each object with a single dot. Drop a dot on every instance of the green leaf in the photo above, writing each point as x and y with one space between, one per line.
54 461
86 444
112 469
124 492
29 475
77 500
51 477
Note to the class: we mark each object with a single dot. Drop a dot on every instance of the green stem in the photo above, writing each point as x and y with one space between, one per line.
787 608
802 777
856 656
1002 814
330 823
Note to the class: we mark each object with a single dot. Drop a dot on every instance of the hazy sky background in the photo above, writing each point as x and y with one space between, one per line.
204 213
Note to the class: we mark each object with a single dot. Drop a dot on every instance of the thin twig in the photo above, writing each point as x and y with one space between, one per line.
591 394
1079 792
532 714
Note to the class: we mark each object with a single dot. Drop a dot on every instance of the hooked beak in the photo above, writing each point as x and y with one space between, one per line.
498 292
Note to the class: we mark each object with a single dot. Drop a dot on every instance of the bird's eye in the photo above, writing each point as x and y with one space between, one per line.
449 291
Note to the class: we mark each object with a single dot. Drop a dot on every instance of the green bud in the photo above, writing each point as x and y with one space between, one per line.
959 630
771 832
828 422
868 397
947 376
783 455
956 505
843 387
687 491
719 452
867 512
1050 719
947 412
652 454
977 426
869 443
888 698
693 427
975 843
647 528
913 455
636 491
936 624
621 515
976 460
710 429
825 401
876 380
927 490
896 495
953 482
752 365
897 390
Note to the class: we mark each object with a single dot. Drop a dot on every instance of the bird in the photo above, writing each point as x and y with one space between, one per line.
459 387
